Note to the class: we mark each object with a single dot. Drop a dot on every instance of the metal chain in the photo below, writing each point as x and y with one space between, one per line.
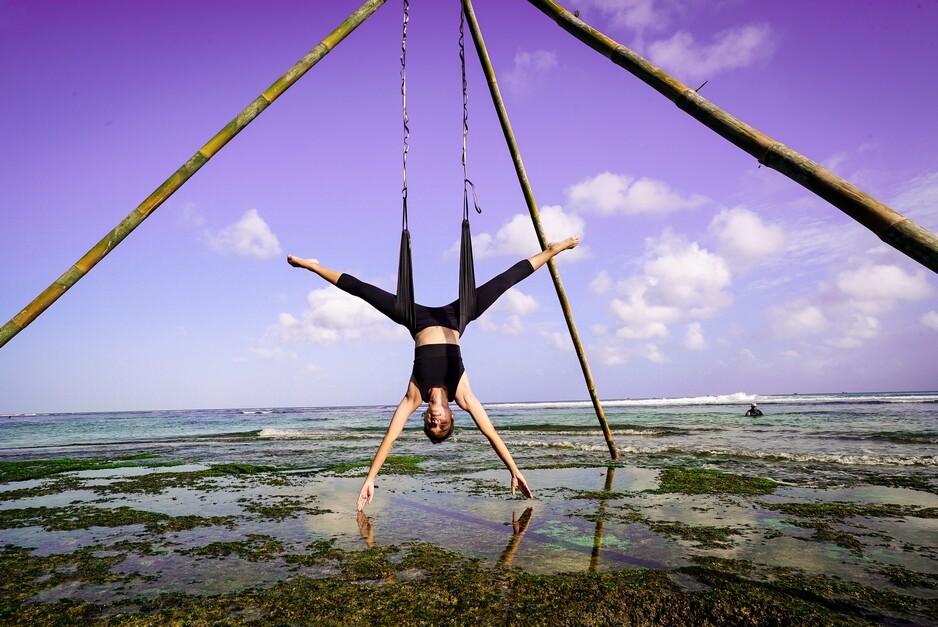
465 121
404 106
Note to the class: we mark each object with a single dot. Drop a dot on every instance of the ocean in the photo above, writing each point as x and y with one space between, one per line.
840 430
832 493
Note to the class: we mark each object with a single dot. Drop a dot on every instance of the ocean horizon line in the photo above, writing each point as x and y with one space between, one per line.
707 399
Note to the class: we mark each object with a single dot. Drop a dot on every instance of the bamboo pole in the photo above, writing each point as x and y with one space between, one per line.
535 218
180 176
891 226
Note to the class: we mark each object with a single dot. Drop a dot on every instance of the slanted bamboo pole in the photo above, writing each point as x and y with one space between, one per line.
535 218
891 226
180 176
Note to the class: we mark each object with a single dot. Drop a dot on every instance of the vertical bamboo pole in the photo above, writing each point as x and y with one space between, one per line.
892 227
180 176
535 218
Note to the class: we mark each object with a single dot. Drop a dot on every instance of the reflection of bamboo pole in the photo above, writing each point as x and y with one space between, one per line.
891 226
600 520
535 218
174 182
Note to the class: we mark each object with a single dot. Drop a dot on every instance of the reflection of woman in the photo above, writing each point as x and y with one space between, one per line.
438 376
366 528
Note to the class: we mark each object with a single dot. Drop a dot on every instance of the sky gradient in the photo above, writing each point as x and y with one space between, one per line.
700 272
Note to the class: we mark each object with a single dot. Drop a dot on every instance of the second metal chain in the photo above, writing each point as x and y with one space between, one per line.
404 107
465 121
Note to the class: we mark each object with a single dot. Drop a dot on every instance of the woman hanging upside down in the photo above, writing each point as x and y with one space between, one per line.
439 376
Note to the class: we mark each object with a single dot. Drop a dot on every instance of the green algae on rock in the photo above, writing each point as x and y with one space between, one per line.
393 465
842 511
462 592
43 468
83 517
708 481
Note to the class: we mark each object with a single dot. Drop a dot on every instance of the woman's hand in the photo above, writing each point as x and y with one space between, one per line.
518 482
368 492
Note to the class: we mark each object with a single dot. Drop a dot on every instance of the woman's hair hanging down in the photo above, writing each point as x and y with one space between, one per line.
436 439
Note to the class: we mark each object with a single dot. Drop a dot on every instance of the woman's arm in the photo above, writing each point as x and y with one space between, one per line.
467 401
405 408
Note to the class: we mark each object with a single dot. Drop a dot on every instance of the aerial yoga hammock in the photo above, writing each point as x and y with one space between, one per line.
438 376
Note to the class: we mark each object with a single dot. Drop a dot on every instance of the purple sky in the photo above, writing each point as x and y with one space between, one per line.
700 273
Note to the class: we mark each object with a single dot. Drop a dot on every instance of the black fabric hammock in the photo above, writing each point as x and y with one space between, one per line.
404 303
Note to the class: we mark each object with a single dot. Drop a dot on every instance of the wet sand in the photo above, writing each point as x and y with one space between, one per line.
652 544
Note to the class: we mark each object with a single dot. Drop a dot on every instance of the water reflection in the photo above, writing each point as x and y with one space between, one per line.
366 527
600 519
519 525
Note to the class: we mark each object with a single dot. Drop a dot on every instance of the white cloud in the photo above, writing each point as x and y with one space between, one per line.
744 237
608 193
600 330
560 341
919 199
529 67
797 319
874 289
850 309
861 329
694 337
930 320
273 354
517 238
249 237
601 283
315 371
651 353
611 354
683 274
733 48
332 315
637 16
642 320
505 316
188 215
681 282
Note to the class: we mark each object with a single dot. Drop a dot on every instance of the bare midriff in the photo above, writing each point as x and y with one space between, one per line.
437 335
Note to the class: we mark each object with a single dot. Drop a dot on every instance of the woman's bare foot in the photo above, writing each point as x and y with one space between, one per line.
297 262
313 265
570 242
552 249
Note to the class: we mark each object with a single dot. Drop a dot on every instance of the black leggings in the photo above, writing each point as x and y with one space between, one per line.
445 316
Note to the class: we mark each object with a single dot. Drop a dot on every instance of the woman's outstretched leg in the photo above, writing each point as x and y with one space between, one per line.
553 248
491 290
313 266
375 296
